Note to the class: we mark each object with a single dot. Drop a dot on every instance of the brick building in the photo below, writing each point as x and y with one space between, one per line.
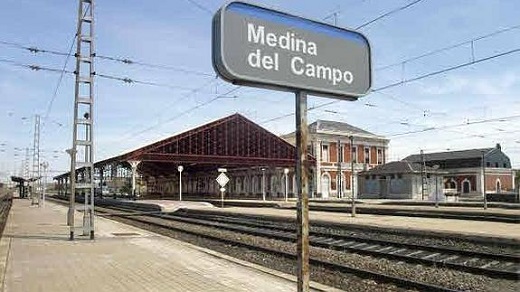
465 172
325 138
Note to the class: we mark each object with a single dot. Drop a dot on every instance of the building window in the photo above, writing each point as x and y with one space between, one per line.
505 165
392 176
496 164
325 153
379 156
399 176
367 177
340 154
488 164
367 155
354 154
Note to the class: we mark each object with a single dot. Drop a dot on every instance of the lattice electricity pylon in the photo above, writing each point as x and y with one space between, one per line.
35 194
26 164
82 154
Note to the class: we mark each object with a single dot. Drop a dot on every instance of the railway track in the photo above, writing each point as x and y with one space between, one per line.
263 228
489 264
164 222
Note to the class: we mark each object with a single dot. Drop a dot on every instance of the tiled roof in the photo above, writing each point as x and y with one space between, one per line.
398 167
449 155
338 127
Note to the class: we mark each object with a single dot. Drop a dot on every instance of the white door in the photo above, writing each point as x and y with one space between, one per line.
325 186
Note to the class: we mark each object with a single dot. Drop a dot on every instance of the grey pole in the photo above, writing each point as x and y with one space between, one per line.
352 188
484 180
286 172
302 188
423 170
45 165
436 192
263 184
340 179
180 168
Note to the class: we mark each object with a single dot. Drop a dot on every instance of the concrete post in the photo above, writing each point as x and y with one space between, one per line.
134 164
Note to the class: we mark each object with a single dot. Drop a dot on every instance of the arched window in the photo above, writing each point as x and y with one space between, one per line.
325 185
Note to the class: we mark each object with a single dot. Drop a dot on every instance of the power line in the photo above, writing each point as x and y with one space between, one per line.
34 67
448 69
388 13
101 75
131 81
433 52
186 112
127 61
456 125
49 107
200 6
408 80
155 66
34 50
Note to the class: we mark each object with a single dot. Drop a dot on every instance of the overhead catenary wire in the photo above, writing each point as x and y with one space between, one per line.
127 61
185 112
450 47
34 67
200 6
49 107
388 14
427 75
500 119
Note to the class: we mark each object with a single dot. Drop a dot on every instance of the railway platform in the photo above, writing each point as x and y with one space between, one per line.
485 230
36 255
506 232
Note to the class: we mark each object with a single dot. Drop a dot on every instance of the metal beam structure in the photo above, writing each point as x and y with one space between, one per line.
82 152
230 142
35 194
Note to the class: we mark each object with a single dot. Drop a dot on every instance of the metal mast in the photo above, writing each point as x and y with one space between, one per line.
36 162
82 152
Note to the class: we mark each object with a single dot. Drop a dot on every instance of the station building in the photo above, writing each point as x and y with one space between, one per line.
402 180
467 171
259 163
341 149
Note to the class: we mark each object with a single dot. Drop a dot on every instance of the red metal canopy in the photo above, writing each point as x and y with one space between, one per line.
233 141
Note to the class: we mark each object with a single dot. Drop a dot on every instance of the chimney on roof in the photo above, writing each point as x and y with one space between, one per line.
499 147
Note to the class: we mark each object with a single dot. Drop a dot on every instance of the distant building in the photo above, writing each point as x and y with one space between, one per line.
465 172
325 138
401 180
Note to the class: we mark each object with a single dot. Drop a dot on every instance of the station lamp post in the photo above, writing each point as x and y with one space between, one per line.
180 168
286 172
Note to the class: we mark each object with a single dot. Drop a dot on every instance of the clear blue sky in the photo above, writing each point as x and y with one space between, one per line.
178 34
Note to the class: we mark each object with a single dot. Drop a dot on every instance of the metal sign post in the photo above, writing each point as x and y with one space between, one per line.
286 172
262 47
222 180
352 178
180 168
302 183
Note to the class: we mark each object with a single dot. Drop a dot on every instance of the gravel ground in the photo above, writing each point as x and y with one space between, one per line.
439 276
423 240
